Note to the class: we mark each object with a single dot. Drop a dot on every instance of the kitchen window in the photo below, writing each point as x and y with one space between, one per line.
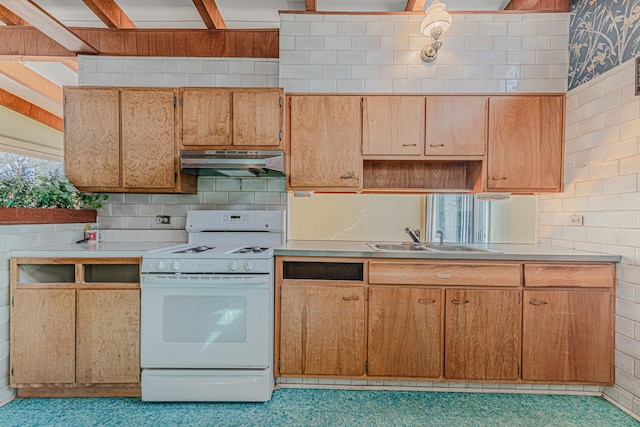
460 217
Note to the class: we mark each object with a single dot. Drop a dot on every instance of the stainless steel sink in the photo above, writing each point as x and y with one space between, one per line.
399 246
434 247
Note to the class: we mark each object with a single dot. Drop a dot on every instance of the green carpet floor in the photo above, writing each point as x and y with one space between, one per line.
320 407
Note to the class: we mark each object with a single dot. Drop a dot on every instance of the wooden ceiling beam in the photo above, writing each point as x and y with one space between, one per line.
258 43
210 14
110 13
9 18
32 80
540 5
19 105
46 23
310 5
415 6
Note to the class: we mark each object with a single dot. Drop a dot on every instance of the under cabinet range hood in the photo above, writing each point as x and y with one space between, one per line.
234 163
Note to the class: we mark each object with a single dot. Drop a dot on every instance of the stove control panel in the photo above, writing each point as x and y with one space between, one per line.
190 265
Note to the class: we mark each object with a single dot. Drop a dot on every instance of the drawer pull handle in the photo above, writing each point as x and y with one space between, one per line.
536 302
498 178
459 301
436 145
409 145
443 275
350 298
348 175
426 300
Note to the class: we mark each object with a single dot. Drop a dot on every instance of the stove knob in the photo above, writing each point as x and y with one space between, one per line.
233 266
161 265
249 266
176 265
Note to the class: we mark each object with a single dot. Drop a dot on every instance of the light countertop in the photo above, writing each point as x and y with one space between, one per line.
512 252
106 249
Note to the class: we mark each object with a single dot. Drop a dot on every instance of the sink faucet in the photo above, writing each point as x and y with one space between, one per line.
414 234
440 234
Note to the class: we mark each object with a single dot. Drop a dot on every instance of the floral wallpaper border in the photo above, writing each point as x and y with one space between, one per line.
603 34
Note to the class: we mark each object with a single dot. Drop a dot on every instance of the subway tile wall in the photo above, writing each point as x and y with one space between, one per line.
602 184
177 72
138 211
481 53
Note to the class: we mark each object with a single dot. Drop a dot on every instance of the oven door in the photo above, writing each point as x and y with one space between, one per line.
206 321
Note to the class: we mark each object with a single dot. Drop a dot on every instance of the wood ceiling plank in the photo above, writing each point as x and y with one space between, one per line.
30 110
540 5
28 41
310 5
32 80
110 13
46 23
415 6
10 18
210 14
71 64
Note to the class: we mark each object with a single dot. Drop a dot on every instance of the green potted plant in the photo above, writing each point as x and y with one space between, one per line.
45 199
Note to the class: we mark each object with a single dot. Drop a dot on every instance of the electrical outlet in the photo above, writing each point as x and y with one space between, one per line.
576 220
163 219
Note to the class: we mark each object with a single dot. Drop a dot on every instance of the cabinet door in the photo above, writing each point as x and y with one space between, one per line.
43 336
108 336
482 330
257 117
325 138
567 336
525 143
206 116
92 137
322 330
456 126
405 332
148 138
393 125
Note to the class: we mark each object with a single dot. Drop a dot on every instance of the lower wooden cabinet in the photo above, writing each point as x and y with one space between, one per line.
322 330
405 332
75 327
429 320
482 330
567 336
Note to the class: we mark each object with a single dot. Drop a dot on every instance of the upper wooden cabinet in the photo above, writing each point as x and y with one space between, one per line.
324 143
392 125
122 140
225 118
525 147
456 126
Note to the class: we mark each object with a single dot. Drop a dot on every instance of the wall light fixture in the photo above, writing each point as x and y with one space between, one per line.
436 22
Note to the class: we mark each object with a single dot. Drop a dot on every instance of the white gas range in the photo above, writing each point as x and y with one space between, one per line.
207 310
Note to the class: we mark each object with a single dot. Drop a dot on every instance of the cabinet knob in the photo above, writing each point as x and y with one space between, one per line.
350 298
459 301
348 175
423 301
436 145
537 302
498 178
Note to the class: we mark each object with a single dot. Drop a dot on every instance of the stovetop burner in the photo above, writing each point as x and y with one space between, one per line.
195 250
250 250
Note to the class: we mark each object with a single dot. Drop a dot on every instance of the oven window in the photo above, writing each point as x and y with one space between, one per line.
204 319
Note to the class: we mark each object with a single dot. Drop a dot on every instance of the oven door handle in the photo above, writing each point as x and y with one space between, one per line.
149 281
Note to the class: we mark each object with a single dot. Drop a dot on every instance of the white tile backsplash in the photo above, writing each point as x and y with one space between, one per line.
376 44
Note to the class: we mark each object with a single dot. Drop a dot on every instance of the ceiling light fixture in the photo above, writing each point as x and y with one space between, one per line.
436 22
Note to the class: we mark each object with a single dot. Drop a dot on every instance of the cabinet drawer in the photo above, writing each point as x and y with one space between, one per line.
444 274
563 275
